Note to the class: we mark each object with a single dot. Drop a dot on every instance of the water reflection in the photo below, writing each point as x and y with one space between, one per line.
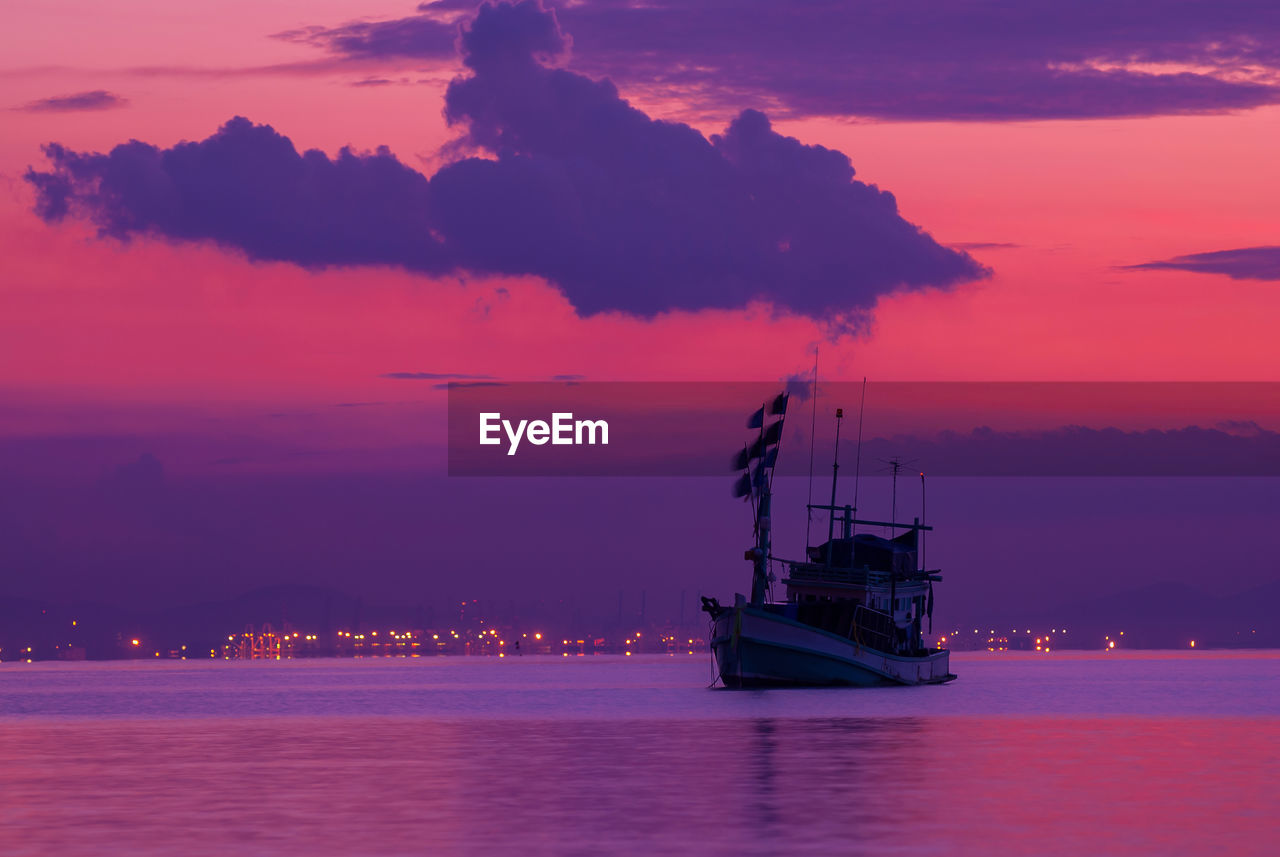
773 785
764 767
482 756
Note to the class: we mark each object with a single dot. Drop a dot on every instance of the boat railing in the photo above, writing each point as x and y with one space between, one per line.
845 515
815 573
872 628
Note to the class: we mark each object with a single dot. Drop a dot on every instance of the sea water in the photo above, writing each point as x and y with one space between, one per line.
1169 753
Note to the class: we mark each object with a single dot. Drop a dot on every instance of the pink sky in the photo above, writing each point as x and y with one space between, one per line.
127 333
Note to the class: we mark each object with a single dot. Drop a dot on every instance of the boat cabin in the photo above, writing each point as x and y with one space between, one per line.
865 587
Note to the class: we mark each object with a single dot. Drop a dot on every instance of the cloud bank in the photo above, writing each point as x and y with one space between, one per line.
1081 451
910 60
1244 263
570 183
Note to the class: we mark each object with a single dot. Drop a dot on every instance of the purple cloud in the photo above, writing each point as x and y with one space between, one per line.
434 376
248 187
449 385
98 99
621 211
601 198
1245 263
1081 451
912 60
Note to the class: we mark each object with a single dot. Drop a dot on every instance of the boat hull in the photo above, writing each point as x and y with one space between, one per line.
755 648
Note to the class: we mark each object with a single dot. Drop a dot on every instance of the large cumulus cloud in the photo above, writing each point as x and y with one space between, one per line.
571 183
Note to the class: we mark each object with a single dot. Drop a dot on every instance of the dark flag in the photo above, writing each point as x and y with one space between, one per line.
773 433
761 476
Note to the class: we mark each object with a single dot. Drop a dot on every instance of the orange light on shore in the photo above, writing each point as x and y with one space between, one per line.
136 642
1193 644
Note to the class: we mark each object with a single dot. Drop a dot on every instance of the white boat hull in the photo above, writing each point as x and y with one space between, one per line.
755 648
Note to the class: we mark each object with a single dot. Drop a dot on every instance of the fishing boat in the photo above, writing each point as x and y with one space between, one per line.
854 607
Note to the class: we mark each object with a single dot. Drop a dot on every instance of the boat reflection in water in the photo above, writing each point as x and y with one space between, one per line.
596 782
854 608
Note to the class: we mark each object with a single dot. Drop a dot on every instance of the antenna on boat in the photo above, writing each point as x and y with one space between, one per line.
813 430
857 461
835 471
920 534
896 464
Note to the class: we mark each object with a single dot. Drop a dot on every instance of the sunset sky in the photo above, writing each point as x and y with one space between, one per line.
1079 193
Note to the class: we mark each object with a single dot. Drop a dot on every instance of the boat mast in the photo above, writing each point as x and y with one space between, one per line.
756 483
835 472
857 458
813 430
760 572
